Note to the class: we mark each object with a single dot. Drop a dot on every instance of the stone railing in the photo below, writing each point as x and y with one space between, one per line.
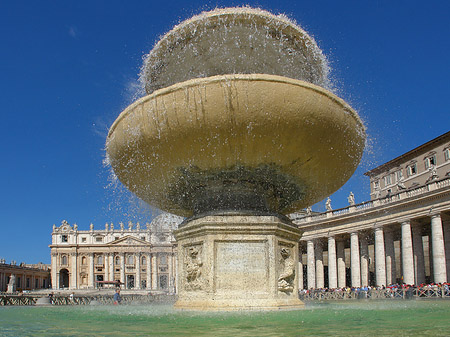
431 186
86 300
319 295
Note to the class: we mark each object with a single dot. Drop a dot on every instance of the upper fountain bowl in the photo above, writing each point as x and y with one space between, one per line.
238 40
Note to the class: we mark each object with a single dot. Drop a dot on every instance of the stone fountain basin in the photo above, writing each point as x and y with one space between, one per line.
234 141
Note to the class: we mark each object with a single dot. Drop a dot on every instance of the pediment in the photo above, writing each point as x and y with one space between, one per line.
128 241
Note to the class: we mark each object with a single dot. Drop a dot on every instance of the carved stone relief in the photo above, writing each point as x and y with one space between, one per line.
193 267
287 270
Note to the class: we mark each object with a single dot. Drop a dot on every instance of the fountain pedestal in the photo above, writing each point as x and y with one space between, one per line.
238 262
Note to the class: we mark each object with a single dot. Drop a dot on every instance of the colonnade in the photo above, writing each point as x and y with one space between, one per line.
383 255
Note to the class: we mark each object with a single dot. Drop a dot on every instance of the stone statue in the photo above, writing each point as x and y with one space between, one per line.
401 184
351 199
121 226
130 226
75 227
138 226
328 204
193 269
308 210
106 226
433 173
91 226
287 275
112 227
11 284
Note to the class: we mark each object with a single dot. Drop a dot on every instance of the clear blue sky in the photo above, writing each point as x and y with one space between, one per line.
68 68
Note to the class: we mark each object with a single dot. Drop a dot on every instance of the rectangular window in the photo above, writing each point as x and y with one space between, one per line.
387 180
399 175
411 170
430 161
83 239
376 184
63 238
447 154
99 239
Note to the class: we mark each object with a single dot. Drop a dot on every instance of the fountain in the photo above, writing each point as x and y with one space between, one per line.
238 129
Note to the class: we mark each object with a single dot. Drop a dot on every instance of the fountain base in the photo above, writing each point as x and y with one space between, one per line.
238 262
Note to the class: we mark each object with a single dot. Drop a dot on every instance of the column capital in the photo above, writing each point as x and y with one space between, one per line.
435 214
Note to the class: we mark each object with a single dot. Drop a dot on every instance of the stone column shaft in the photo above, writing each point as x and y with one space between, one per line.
300 271
106 267
355 262
407 254
364 250
137 284
170 265
391 273
74 269
380 257
122 270
54 262
111 267
419 259
154 273
332 268
91 271
148 268
437 239
319 265
446 228
341 264
311 267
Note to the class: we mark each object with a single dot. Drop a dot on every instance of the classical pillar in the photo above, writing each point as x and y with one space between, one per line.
391 273
91 271
54 262
355 264
122 270
419 259
407 254
74 270
170 264
137 283
319 265
154 272
332 269
106 258
364 251
446 227
380 257
311 268
437 241
340 253
176 271
111 267
148 260
300 271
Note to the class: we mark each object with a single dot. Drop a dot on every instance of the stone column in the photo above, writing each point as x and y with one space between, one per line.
354 253
154 272
332 269
55 280
407 254
364 251
311 268
148 259
419 259
137 284
391 273
74 271
176 271
170 265
106 257
111 267
380 257
437 241
122 270
446 227
319 265
91 271
300 271
341 263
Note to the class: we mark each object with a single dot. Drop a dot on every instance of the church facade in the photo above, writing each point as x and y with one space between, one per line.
139 257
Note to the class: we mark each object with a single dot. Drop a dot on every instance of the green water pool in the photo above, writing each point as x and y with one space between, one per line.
349 318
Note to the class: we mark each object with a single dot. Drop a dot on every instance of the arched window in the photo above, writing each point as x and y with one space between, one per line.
143 260
100 259
64 260
130 259
117 260
83 260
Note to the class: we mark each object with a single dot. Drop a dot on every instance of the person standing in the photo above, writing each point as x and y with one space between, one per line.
117 298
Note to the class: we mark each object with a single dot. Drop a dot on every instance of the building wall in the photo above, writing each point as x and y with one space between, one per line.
140 257
27 278
425 163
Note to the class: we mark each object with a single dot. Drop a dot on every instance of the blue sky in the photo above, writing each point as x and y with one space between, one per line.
68 68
